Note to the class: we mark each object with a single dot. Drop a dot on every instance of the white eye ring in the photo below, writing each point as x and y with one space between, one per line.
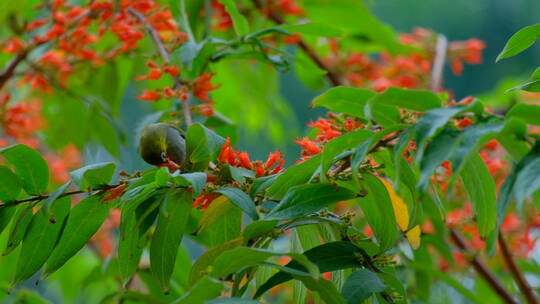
164 156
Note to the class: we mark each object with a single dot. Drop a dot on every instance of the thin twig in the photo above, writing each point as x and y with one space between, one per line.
178 83
516 272
482 269
438 63
8 72
45 196
332 76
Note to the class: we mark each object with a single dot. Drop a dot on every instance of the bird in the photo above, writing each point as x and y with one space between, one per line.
163 145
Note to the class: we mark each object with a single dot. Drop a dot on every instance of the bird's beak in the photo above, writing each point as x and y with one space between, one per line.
168 163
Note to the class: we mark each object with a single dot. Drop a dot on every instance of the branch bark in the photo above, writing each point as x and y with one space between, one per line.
8 72
178 83
482 269
438 63
516 272
331 75
45 196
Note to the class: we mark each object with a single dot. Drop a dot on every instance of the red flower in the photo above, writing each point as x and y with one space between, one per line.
149 95
310 147
154 74
169 93
115 192
204 201
171 70
473 51
14 45
243 157
35 24
202 85
463 123
279 166
272 159
457 67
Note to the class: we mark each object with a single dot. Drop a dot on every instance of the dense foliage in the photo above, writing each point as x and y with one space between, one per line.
401 192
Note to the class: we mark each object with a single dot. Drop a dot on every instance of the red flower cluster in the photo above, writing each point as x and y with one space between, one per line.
469 51
327 129
241 159
405 71
203 201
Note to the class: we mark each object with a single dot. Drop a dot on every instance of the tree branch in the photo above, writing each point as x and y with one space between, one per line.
178 83
8 72
332 76
45 196
482 269
516 272
438 63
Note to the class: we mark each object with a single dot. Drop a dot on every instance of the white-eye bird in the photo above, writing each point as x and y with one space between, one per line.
163 145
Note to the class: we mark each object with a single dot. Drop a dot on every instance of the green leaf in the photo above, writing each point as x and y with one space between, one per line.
258 228
314 29
6 214
197 180
10 187
186 53
532 85
133 227
238 258
84 220
171 225
40 240
201 144
233 301
529 113
379 212
481 189
93 176
415 100
240 23
473 138
162 177
353 17
344 100
360 285
262 183
240 199
434 120
437 151
239 174
205 289
326 289
307 199
529 86
294 175
30 167
337 145
54 196
527 181
385 115
27 296
520 41
203 265
328 257
21 219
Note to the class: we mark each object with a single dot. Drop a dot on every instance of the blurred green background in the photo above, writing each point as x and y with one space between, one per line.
492 21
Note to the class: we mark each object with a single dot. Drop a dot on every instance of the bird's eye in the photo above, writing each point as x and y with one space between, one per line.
164 157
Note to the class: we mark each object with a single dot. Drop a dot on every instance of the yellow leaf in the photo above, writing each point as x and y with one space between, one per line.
400 208
413 236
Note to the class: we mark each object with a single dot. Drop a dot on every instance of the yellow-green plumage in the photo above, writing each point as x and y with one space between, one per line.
160 141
